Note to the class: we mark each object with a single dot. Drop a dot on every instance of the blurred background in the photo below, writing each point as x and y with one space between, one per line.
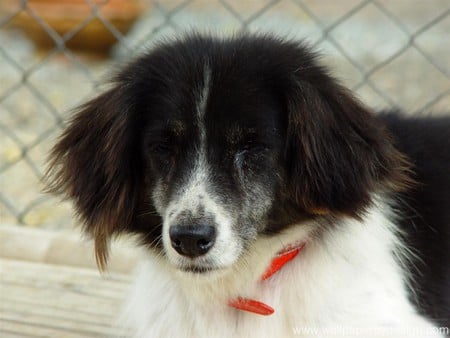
55 54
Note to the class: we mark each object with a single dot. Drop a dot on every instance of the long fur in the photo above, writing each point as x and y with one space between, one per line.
252 137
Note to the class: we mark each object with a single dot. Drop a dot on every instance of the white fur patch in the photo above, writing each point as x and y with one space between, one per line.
344 283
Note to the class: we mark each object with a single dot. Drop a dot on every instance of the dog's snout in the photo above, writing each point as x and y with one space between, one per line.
192 240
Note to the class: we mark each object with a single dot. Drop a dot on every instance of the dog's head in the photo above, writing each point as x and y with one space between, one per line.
202 145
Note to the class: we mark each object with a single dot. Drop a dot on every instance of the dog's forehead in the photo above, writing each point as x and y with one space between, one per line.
237 125
220 103
236 130
232 120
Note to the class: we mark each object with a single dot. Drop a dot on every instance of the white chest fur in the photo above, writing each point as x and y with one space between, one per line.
346 283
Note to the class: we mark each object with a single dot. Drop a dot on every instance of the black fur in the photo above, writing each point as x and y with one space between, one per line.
424 211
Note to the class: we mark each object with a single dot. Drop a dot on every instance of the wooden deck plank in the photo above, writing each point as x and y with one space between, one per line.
45 300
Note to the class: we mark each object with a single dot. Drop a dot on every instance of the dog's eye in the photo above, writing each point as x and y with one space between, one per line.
163 152
249 154
253 148
161 149
162 155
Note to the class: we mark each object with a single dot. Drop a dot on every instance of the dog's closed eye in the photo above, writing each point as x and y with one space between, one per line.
251 152
162 149
249 158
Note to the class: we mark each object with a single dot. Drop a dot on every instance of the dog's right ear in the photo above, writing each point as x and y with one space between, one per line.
339 153
97 164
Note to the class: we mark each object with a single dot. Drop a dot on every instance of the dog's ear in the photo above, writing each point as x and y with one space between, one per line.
97 164
338 152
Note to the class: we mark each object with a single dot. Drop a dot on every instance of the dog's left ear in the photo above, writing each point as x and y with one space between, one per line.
97 164
338 153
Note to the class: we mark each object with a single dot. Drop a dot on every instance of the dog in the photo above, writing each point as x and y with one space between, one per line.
269 200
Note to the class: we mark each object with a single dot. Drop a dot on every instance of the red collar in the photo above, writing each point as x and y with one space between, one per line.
277 263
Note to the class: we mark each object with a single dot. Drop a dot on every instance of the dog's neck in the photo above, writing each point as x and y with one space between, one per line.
278 262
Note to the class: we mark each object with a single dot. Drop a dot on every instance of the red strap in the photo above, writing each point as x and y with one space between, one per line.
281 259
251 305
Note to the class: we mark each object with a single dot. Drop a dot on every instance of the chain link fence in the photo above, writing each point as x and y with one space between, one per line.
391 53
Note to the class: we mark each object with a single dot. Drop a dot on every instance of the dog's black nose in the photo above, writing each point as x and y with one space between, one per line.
192 240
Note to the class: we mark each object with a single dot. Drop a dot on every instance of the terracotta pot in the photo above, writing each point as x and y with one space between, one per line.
75 21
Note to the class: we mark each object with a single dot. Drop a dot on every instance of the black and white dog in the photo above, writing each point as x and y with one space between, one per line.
271 201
